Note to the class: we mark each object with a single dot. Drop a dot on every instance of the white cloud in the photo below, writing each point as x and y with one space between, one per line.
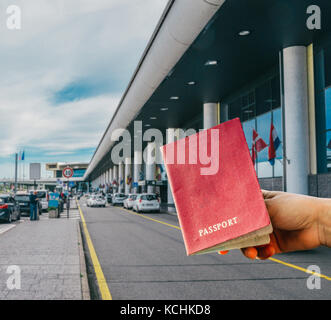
63 42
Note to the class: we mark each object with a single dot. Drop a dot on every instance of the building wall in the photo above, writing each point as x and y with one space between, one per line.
320 185
271 184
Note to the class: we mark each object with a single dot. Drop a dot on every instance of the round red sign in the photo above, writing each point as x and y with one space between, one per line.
67 172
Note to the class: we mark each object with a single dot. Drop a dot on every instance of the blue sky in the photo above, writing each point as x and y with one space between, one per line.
63 74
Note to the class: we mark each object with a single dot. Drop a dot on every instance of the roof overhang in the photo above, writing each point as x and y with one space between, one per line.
179 26
192 32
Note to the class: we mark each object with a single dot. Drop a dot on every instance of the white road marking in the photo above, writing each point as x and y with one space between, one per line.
5 228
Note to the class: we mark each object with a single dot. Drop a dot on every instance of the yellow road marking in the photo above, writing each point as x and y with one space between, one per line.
272 259
301 269
104 290
139 215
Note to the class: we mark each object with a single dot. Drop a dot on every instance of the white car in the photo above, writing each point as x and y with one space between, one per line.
146 202
118 198
96 201
129 201
43 197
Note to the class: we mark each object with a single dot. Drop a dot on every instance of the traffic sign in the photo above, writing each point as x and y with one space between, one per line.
67 172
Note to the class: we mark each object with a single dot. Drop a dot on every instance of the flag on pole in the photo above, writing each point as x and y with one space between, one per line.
23 155
258 145
274 144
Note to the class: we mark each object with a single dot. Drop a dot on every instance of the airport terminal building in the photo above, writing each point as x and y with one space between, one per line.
209 61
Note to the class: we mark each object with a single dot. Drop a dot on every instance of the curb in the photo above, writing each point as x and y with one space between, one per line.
83 274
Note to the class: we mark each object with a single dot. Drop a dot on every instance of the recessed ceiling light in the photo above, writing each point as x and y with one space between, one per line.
174 98
244 33
164 109
153 118
211 63
147 125
191 83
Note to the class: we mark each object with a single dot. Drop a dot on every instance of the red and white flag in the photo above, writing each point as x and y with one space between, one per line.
258 145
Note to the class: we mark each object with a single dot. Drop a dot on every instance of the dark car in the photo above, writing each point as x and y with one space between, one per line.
109 197
9 209
24 203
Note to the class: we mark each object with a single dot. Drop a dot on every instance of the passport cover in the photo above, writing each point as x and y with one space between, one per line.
219 211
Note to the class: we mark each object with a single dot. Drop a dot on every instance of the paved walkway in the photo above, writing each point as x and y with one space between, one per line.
47 254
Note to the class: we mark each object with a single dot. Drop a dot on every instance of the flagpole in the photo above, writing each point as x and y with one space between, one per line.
282 101
273 167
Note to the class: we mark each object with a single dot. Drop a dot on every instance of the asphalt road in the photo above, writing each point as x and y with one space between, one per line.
146 259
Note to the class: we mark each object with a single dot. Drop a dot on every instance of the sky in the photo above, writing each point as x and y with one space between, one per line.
64 72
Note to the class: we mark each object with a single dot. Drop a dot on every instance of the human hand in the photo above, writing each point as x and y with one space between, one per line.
299 223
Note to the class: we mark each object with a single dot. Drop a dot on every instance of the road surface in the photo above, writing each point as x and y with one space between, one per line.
142 256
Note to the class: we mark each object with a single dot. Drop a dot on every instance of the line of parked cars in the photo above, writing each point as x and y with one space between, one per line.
145 202
13 207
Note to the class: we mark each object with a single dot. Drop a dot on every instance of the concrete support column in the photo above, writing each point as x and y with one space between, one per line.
210 115
110 177
150 166
121 177
171 137
137 162
115 177
312 111
296 119
128 175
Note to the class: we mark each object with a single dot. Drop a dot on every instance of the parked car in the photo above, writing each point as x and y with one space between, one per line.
129 201
23 200
118 198
43 197
146 202
109 197
9 209
96 201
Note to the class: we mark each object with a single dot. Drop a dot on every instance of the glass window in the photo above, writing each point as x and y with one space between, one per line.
248 127
328 126
264 169
275 92
149 197
257 108
263 98
277 121
328 150
22 198
328 108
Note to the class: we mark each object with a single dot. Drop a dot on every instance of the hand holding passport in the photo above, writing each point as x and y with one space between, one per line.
219 207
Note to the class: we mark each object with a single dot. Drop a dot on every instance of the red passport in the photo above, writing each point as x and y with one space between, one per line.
217 195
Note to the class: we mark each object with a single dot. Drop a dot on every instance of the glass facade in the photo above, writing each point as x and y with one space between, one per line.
257 109
328 126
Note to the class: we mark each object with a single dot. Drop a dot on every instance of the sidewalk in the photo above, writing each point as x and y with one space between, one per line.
47 253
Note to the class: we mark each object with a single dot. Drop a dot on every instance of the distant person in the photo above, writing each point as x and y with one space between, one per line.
33 206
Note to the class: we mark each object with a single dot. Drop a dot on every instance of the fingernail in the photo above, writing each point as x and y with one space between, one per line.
223 252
